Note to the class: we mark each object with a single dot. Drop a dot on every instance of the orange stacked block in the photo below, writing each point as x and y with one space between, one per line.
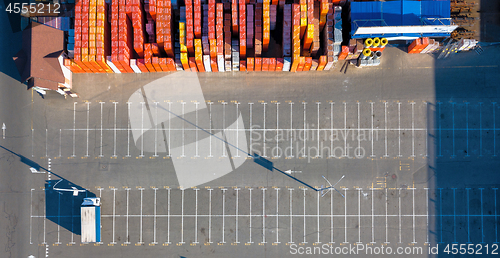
303 17
295 37
197 18
189 27
81 35
234 17
198 55
243 30
323 12
168 44
266 25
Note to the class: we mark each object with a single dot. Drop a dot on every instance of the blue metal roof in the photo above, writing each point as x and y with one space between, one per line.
400 12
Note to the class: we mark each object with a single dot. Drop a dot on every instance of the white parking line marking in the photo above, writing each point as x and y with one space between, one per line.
182 215
426 128
168 216
480 129
399 196
439 124
224 127
128 239
88 114
467 126
277 130
44 220
196 217
386 225
482 217
169 126
59 219
210 215
359 131
183 129
100 146
331 127
156 131
46 143
237 130
331 217
31 213
140 224
399 128
441 212
291 216
305 121
237 213
373 221
251 128
277 215
494 131
74 129
468 216
223 212
345 215
317 155
264 215
345 130
72 223
454 217
496 217
427 212
453 128
154 217
412 129
114 214
317 219
291 130
33 140
250 216
359 213
114 132
385 121
128 131
264 129
197 128
305 232
413 193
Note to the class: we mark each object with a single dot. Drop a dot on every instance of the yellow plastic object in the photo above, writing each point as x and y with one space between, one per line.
376 42
383 42
367 52
368 42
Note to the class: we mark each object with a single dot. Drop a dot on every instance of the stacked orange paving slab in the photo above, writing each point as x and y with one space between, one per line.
134 36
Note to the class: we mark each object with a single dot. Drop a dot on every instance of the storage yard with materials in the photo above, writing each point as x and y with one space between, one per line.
250 128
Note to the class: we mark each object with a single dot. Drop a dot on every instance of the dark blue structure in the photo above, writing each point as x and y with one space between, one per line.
407 13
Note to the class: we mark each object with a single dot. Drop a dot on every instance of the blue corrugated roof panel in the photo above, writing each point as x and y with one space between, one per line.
365 10
399 12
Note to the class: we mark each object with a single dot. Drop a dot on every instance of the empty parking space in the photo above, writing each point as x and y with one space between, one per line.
274 129
140 216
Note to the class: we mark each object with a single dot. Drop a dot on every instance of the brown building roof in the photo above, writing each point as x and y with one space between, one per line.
37 60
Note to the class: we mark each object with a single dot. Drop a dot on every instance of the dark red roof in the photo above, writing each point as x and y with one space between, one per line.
37 60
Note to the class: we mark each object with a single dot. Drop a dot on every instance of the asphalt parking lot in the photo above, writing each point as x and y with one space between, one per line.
393 195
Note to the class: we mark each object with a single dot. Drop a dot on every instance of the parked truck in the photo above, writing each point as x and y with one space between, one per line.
91 220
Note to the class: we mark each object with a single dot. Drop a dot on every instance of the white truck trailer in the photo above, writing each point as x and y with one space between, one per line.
91 220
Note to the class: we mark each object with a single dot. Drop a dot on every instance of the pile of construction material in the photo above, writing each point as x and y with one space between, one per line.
366 52
127 36
423 46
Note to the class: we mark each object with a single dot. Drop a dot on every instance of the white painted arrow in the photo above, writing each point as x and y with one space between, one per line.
290 171
3 130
